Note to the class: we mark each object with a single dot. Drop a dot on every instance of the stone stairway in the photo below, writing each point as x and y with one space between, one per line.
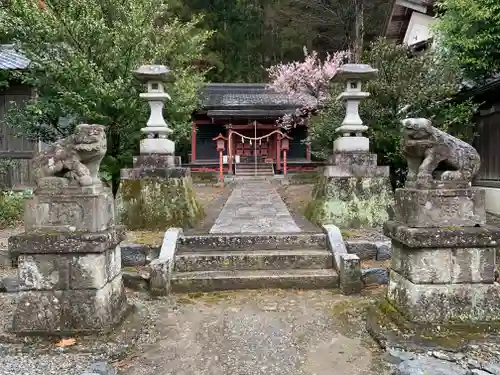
252 169
244 261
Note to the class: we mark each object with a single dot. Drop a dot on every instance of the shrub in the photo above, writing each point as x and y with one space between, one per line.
12 207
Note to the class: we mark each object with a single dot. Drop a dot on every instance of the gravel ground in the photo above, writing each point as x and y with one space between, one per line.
273 332
46 364
270 332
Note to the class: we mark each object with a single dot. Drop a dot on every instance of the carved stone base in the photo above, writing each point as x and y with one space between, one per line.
152 199
66 312
428 208
68 282
444 303
70 208
444 275
351 202
352 193
354 164
154 161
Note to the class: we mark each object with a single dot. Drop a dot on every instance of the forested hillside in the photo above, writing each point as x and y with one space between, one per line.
251 35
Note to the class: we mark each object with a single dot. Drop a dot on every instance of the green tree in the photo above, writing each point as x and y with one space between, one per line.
82 57
334 25
469 31
406 85
247 37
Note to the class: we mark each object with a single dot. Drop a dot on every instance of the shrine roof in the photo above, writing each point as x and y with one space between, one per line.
11 59
245 100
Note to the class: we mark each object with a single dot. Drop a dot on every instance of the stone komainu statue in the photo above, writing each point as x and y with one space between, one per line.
75 158
427 149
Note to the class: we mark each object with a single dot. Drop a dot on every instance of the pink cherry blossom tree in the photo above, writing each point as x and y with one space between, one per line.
306 82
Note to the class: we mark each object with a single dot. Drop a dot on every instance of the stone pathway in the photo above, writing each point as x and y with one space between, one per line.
255 207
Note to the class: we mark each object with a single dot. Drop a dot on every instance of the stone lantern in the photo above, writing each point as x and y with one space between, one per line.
156 193
352 128
156 130
354 191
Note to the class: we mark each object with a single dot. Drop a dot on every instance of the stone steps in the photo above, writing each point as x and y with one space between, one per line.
246 261
255 279
253 260
252 173
254 170
217 242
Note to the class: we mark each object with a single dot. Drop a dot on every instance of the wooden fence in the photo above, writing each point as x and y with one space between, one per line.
488 146
15 151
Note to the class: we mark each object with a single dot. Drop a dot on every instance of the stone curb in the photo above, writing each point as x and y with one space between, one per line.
138 254
368 250
347 265
436 361
161 269
377 275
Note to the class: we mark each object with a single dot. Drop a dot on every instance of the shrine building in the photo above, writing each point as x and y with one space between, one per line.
246 115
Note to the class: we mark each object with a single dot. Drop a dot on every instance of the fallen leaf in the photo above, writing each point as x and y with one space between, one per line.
66 342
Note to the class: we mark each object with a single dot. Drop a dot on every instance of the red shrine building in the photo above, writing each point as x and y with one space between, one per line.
246 115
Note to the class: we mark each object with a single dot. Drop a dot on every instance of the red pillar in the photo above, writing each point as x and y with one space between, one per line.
193 142
221 169
230 151
284 163
278 153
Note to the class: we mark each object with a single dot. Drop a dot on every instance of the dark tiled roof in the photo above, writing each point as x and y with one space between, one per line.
245 99
11 59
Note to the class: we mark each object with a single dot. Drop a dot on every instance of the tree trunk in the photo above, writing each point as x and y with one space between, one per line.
359 31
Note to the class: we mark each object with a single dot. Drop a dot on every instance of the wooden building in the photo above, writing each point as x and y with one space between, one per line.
410 21
247 114
487 139
14 148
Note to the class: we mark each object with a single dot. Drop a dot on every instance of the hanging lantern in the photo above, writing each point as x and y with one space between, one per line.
242 140
250 142
220 142
260 141
285 144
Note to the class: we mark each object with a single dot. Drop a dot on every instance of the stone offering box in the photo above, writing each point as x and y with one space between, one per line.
69 262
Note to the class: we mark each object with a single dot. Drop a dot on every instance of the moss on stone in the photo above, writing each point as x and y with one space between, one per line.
346 234
157 204
351 202
153 238
450 335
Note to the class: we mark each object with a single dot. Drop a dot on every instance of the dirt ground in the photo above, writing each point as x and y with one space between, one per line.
296 197
268 332
206 195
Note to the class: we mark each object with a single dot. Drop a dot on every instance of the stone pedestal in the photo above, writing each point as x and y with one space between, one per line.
443 257
352 193
69 263
155 195
87 208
